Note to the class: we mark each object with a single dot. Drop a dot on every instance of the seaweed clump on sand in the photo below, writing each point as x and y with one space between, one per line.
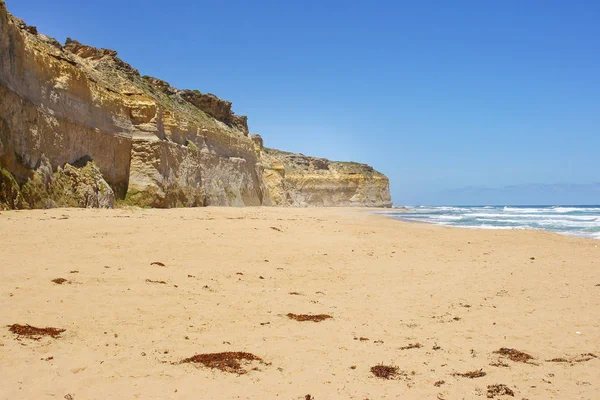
577 359
385 371
411 346
499 390
35 333
306 317
227 362
471 374
59 281
151 281
514 355
499 363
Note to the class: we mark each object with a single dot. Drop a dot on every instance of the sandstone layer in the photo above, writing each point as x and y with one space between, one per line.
147 143
299 180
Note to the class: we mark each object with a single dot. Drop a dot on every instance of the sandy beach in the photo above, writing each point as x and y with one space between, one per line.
457 311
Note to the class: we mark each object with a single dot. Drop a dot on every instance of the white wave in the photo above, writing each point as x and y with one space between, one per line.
554 209
564 226
565 209
573 222
441 208
525 210
575 209
581 218
447 217
535 216
486 226
565 220
595 235
505 215
549 222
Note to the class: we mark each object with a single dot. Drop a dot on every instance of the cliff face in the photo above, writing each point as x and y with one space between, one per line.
300 181
71 107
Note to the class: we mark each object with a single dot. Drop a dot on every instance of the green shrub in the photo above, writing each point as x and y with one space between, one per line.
10 193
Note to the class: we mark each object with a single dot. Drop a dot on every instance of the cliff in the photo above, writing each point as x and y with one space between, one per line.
299 180
81 127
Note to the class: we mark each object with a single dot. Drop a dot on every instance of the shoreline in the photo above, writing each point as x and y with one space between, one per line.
525 225
433 302
495 228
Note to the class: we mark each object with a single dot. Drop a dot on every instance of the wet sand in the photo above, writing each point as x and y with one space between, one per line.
436 303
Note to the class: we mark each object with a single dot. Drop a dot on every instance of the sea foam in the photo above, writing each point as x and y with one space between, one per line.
570 220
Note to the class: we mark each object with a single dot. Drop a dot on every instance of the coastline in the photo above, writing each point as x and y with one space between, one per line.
474 228
461 294
577 220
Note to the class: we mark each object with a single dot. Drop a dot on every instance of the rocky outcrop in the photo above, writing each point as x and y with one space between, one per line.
301 181
151 144
79 185
217 108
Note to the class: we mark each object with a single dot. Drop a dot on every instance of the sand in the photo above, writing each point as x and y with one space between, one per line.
434 302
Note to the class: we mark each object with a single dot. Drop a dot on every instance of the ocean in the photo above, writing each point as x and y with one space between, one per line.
569 220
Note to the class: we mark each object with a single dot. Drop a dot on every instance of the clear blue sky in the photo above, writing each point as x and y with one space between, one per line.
438 95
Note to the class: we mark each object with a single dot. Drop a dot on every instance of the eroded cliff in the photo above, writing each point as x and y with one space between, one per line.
300 181
77 121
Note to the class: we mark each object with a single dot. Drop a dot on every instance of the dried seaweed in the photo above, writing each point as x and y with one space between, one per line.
471 374
306 317
157 263
385 371
151 281
35 333
559 360
576 359
227 362
499 390
514 355
59 281
499 364
411 346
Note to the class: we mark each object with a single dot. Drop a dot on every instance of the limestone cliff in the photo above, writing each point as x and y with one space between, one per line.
65 108
299 180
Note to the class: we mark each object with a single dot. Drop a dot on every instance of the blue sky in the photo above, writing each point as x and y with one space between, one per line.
438 95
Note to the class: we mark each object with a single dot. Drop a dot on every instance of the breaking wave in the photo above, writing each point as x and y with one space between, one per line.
570 220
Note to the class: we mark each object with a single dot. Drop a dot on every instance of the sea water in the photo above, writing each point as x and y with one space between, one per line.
570 220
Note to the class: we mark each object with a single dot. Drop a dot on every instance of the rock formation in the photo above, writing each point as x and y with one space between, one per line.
79 123
299 180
